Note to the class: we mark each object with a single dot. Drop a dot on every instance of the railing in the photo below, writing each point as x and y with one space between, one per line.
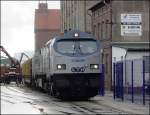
131 82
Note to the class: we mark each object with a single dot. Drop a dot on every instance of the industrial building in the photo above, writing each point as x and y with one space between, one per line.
46 24
75 14
123 29
121 26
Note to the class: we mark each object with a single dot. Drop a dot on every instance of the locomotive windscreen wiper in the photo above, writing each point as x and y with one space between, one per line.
74 48
77 48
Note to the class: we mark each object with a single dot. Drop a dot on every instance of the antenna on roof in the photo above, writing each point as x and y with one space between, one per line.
42 1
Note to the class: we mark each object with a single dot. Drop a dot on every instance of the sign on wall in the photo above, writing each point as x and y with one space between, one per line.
131 25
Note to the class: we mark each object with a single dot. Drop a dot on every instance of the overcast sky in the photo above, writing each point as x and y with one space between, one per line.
17 24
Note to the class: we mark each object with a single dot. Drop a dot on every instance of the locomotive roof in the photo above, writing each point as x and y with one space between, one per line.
70 34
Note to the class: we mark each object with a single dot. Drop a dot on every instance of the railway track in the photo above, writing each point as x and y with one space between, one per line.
89 107
45 103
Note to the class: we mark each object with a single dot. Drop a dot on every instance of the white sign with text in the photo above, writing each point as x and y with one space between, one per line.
131 25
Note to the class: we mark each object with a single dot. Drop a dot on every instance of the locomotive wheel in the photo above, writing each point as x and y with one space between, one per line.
36 83
45 86
33 83
7 81
52 89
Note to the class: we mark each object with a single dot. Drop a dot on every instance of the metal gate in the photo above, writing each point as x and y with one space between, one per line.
118 80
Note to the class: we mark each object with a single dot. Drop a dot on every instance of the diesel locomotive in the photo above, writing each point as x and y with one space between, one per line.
68 66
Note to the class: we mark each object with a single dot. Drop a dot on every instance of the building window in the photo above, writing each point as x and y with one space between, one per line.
94 30
104 30
102 9
107 30
98 31
101 30
106 62
93 15
99 12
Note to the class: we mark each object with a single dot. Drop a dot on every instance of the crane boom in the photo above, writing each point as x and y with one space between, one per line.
13 61
23 54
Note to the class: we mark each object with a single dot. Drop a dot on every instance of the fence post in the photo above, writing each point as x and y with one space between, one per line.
114 91
103 77
101 89
122 81
143 82
132 93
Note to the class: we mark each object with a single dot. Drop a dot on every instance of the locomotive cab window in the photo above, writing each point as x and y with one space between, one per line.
76 46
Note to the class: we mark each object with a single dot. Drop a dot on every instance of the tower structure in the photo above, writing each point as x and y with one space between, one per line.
46 24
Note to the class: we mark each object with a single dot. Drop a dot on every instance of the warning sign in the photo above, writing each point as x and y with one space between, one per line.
131 25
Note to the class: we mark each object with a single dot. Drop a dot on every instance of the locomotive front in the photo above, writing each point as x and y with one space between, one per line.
76 65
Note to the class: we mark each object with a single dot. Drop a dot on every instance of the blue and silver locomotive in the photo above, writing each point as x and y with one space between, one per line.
68 66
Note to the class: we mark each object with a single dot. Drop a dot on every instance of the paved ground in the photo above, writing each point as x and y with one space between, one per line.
23 100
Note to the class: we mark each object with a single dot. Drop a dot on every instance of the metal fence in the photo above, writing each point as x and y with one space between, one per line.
102 80
131 81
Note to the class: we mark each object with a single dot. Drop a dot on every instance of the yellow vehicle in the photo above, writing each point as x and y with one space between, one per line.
27 71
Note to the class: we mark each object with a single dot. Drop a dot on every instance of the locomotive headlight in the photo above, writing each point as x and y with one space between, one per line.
76 35
58 66
94 66
61 66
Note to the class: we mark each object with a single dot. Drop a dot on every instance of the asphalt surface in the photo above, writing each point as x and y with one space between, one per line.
24 100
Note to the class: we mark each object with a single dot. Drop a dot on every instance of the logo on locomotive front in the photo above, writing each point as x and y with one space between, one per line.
78 69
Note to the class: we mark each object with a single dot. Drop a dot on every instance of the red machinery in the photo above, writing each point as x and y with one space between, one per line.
12 73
